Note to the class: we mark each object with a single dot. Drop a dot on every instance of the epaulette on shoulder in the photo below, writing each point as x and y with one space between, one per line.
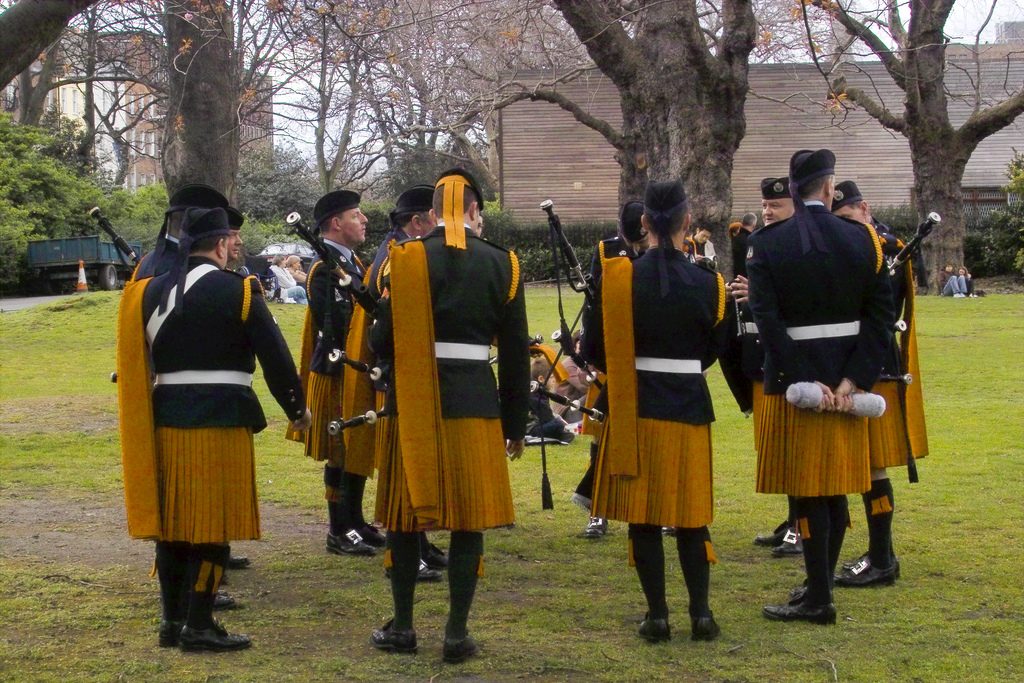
489 243
707 265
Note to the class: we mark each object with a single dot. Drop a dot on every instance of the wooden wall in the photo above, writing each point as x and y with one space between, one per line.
547 154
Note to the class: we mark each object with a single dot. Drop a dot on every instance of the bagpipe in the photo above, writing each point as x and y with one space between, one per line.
370 417
339 356
923 230
346 282
119 242
593 413
564 258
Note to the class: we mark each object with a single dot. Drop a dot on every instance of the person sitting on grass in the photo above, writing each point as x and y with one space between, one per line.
953 285
544 422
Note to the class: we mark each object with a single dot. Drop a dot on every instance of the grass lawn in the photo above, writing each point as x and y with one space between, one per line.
76 601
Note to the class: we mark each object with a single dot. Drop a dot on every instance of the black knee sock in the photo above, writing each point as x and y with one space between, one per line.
405 563
172 565
352 488
586 486
333 493
467 547
812 521
791 517
206 566
839 522
692 545
649 557
878 506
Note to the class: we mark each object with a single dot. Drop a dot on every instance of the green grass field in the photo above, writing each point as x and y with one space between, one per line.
76 601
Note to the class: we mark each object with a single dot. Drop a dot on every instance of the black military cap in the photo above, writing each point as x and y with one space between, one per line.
846 193
334 203
470 180
235 218
201 223
806 165
629 221
775 188
416 198
198 195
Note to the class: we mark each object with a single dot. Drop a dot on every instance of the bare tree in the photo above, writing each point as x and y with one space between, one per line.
911 42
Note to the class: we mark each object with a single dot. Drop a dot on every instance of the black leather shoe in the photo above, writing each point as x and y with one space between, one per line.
213 639
774 538
169 632
238 562
435 557
596 528
866 574
424 575
350 543
797 595
867 561
704 628
372 537
791 545
223 601
456 651
388 639
655 630
815 614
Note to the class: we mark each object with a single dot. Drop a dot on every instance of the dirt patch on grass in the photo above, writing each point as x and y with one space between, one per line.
50 415
40 525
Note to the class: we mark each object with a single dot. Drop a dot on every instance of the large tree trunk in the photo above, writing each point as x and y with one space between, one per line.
938 169
201 134
28 27
682 105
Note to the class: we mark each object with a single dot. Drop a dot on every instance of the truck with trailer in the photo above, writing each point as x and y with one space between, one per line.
54 263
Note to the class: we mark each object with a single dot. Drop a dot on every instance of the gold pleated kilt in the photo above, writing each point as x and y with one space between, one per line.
673 483
758 410
888 434
475 492
207 479
323 396
804 453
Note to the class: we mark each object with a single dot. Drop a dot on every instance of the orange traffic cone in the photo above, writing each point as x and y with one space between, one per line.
82 285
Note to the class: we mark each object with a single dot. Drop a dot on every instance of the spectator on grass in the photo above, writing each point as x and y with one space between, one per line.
702 244
543 421
293 264
954 285
290 291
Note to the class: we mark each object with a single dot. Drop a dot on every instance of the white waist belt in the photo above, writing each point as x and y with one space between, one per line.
824 331
676 366
749 328
205 377
456 351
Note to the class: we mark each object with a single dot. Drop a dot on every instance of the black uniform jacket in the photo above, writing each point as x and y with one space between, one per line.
790 289
331 308
469 292
739 252
682 325
151 266
378 274
208 333
612 247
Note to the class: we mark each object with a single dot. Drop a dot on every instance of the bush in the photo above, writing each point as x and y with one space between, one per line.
990 248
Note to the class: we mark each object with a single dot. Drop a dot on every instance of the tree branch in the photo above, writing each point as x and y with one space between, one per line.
892 63
989 121
874 109
605 39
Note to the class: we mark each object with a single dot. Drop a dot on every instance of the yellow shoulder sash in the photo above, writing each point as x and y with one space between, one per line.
135 416
420 431
357 394
620 362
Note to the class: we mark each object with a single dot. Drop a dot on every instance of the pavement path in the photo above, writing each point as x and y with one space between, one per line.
18 303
